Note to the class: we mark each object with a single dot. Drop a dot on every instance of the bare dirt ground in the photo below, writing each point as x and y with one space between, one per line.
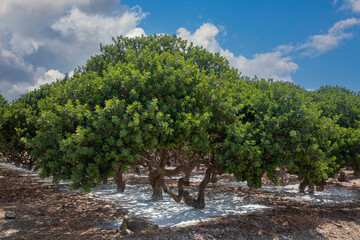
49 212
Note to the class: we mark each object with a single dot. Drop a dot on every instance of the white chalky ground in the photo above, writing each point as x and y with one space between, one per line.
328 196
166 212
136 200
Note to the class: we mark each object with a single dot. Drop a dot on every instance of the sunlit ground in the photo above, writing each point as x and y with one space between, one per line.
168 213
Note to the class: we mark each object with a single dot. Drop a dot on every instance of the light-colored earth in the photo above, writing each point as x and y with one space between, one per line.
233 211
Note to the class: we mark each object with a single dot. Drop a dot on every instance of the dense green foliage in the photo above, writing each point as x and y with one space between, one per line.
281 127
3 106
343 106
147 100
152 98
3 102
18 123
339 104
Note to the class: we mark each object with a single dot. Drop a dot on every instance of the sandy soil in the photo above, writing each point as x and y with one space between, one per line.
45 211
48 212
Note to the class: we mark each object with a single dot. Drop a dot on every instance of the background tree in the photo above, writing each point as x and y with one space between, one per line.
343 106
18 124
280 127
3 106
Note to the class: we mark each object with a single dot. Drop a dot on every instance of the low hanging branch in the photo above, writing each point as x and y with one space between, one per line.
176 197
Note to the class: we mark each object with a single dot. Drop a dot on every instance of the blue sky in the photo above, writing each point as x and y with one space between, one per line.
259 26
311 43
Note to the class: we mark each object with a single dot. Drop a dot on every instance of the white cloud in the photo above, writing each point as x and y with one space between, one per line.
86 31
40 78
24 46
97 28
18 76
48 7
319 44
342 25
10 60
136 32
265 65
39 35
204 36
354 5
48 77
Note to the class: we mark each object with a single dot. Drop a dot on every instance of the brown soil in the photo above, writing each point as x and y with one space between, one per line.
51 212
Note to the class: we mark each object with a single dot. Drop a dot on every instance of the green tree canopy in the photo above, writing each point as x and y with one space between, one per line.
281 127
340 104
151 100
343 106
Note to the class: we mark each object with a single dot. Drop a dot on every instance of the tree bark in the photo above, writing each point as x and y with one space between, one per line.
321 186
120 184
303 185
342 177
137 170
105 180
156 181
36 168
311 188
176 197
200 201
214 177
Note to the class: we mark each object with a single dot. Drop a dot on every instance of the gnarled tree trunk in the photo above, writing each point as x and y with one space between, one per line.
199 202
156 181
305 183
311 187
214 177
342 177
321 186
120 184
156 175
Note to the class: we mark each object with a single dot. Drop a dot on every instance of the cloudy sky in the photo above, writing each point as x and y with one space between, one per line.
311 43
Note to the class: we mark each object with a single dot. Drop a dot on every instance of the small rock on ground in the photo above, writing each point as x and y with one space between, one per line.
137 224
10 215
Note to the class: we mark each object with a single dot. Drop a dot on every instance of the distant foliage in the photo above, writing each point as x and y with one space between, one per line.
340 104
343 106
280 127
17 124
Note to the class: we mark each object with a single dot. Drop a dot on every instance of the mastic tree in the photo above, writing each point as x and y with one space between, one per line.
347 150
3 106
149 100
281 127
13 123
142 101
343 106
3 102
18 125
340 104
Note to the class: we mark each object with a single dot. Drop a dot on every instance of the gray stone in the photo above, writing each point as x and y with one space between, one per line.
137 224
126 232
10 215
